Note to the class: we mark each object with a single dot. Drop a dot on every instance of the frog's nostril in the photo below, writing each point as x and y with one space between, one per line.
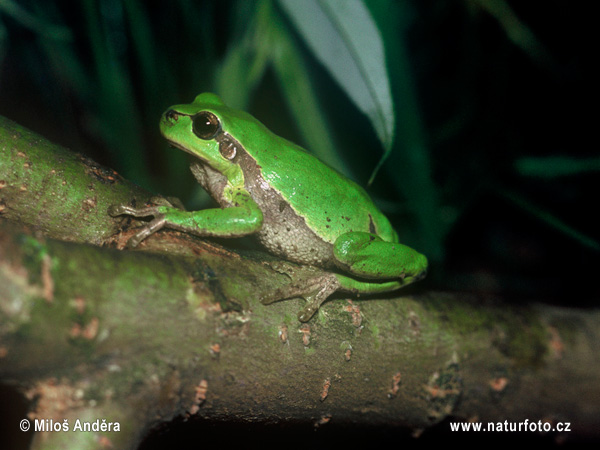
172 115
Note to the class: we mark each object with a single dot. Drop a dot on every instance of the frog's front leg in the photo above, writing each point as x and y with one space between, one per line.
390 265
242 218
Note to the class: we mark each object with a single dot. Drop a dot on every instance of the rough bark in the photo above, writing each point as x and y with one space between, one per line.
91 332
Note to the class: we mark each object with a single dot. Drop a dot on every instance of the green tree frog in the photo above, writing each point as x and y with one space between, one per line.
299 208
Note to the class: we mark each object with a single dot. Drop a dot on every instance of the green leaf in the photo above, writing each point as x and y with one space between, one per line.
37 24
245 63
556 166
345 39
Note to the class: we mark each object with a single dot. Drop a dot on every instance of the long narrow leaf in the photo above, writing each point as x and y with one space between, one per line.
556 166
344 37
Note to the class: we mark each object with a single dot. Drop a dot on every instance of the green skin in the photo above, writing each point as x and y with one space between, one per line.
299 208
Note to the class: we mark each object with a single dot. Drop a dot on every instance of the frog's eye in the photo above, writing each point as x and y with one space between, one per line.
206 125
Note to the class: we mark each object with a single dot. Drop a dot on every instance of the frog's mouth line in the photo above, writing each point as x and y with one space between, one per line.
181 147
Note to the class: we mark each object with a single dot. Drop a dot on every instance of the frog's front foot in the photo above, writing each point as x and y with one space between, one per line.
314 290
152 211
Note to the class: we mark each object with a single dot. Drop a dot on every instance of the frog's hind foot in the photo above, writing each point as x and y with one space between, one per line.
315 291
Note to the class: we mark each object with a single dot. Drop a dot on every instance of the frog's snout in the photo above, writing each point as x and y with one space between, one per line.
421 275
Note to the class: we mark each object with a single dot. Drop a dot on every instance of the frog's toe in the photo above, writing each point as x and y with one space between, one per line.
269 299
146 231
309 310
170 202
284 293
117 210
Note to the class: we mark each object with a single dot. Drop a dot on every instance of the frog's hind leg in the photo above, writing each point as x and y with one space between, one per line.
367 256
315 291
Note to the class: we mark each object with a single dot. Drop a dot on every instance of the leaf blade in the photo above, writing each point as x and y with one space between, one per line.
345 39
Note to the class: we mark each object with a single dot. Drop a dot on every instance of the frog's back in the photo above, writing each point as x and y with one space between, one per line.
328 201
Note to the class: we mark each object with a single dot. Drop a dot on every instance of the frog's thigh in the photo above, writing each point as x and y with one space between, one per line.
349 284
367 255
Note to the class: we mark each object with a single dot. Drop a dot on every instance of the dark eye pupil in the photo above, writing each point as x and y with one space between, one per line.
206 125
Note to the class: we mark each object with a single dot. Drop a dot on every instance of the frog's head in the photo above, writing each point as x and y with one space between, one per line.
199 128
